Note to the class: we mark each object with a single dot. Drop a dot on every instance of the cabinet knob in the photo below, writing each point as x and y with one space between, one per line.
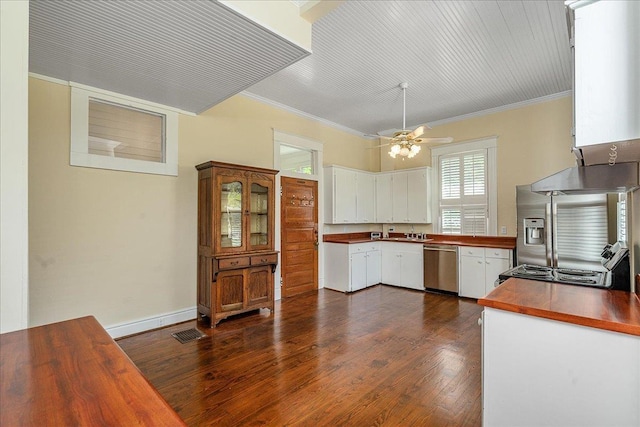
479 321
479 262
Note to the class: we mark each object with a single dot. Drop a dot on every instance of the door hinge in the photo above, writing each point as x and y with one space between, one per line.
281 190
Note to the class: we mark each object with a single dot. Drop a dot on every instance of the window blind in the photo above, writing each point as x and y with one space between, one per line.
120 131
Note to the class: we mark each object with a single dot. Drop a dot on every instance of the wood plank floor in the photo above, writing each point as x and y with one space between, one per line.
381 356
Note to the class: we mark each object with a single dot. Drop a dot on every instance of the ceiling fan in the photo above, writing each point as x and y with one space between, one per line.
405 142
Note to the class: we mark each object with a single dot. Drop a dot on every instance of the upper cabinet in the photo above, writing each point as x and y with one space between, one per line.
384 192
349 196
419 196
365 197
410 196
357 197
607 81
340 189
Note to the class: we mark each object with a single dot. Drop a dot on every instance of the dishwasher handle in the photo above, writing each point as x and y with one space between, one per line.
440 249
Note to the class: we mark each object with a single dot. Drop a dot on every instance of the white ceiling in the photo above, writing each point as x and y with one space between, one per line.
186 54
459 57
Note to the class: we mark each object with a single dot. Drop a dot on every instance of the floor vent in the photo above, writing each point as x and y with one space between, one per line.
188 335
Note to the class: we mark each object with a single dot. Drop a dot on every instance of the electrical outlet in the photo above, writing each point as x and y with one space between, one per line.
503 230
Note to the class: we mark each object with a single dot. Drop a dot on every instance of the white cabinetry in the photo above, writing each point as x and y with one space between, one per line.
404 196
384 191
399 197
607 81
479 268
365 197
402 265
349 196
540 372
351 267
419 196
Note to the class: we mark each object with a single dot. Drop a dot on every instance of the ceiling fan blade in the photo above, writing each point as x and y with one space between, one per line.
381 137
416 133
378 146
445 140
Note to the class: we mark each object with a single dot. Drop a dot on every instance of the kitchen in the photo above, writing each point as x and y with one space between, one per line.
533 141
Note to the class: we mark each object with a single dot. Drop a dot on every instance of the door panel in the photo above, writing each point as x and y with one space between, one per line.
299 236
230 285
259 285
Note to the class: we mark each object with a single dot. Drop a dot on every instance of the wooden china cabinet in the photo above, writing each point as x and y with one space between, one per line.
236 260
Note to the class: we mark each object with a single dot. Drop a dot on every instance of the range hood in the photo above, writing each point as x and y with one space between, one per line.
617 178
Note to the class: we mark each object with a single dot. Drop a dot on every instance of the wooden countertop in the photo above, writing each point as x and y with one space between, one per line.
73 373
617 311
433 239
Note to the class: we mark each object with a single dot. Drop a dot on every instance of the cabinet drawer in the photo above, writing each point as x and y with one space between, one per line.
471 251
228 263
264 259
496 253
364 247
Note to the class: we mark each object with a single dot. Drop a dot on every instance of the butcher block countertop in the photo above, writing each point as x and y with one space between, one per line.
431 239
73 374
617 311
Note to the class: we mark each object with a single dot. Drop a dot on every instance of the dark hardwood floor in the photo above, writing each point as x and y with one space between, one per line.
381 356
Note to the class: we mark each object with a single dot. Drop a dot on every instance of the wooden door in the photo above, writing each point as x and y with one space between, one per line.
299 236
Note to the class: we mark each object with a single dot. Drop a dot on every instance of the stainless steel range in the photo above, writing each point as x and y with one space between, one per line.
596 279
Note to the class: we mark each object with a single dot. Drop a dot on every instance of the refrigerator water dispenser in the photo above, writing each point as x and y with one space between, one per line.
534 231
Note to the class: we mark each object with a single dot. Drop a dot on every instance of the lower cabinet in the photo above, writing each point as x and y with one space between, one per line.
541 372
351 267
402 265
238 284
479 268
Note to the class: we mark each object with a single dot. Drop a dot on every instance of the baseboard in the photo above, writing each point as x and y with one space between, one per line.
149 323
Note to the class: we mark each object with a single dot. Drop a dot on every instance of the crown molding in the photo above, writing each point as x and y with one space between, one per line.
507 107
302 114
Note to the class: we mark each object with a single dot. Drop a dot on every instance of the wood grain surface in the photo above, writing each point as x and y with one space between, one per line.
617 311
501 242
73 374
383 356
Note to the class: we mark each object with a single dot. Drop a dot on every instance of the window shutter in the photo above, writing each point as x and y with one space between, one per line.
474 174
464 193
450 178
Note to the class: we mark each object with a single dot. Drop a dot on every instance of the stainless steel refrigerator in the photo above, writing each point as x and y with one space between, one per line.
566 231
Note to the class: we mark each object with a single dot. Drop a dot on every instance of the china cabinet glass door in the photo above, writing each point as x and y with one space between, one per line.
259 220
231 234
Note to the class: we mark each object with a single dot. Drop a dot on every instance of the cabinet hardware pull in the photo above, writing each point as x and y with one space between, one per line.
263 260
234 263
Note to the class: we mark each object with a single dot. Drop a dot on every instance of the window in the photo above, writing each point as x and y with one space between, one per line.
297 156
294 159
120 133
466 188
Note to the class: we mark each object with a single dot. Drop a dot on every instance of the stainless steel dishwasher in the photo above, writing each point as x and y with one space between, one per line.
441 268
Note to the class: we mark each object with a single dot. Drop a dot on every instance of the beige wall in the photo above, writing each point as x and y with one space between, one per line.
122 246
533 142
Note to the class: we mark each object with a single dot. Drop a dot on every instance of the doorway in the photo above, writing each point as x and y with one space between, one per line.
298 236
